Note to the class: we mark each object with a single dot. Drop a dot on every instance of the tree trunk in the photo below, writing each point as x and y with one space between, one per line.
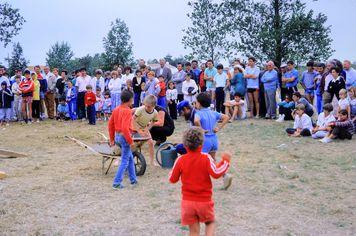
278 32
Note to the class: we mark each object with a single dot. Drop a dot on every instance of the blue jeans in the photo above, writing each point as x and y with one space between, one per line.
91 114
319 103
127 161
161 101
137 99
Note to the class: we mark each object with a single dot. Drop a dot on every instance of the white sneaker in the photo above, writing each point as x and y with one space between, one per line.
280 118
325 140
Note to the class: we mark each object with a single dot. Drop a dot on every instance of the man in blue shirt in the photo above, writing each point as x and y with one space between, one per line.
196 69
209 75
291 79
270 82
307 81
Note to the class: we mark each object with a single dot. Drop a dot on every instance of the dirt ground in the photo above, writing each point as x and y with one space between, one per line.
281 186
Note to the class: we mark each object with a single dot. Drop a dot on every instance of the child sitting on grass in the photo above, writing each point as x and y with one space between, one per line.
144 117
342 129
120 133
324 119
236 107
302 123
285 109
195 169
62 110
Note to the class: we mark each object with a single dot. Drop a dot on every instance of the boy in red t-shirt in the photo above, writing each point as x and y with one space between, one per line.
90 100
120 128
195 169
26 88
161 98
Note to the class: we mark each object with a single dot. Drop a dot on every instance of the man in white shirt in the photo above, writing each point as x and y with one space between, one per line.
81 83
3 77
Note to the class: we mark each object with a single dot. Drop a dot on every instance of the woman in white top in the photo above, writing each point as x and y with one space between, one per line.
115 86
324 119
128 75
189 89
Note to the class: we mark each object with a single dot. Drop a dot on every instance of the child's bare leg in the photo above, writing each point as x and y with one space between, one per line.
257 104
30 110
194 229
234 113
250 104
151 151
209 228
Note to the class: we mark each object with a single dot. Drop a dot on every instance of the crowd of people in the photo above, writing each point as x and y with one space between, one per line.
241 91
147 101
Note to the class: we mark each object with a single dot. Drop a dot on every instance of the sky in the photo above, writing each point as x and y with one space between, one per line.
155 26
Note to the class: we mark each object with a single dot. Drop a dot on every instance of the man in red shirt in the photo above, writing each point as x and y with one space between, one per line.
120 128
195 169
89 100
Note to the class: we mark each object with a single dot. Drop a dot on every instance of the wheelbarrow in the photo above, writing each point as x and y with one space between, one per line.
109 154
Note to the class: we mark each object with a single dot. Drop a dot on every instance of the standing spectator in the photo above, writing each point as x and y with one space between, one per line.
220 79
81 83
43 92
261 94
90 100
115 86
201 78
71 99
196 70
172 96
161 97
26 87
282 85
60 86
336 84
164 71
325 80
178 79
251 75
98 81
270 81
137 82
209 74
47 96
6 98
107 79
189 89
290 78
3 76
307 81
318 88
350 74
36 99
150 86
18 72
188 70
17 98
128 75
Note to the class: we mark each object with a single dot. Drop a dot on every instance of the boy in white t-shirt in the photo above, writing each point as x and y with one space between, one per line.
324 119
344 103
237 107
302 123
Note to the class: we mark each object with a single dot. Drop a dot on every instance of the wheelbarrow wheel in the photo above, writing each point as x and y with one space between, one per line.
163 146
140 163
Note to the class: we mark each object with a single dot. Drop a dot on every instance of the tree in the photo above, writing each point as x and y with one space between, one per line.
59 55
11 22
207 35
91 63
17 60
277 29
117 45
